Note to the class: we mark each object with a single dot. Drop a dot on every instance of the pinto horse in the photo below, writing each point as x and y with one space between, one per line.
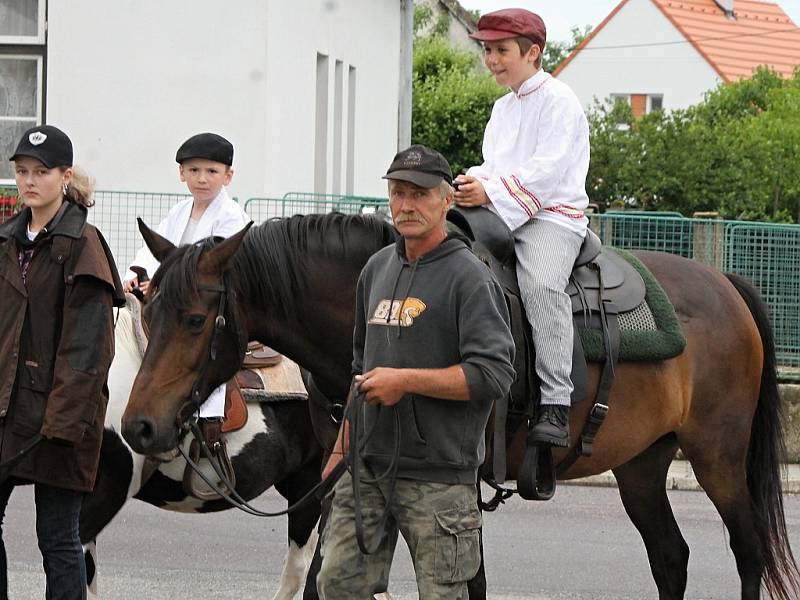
291 284
270 450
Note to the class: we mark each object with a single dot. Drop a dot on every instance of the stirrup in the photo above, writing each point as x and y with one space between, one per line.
191 479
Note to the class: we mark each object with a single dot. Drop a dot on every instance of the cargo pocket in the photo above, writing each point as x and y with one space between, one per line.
33 388
457 555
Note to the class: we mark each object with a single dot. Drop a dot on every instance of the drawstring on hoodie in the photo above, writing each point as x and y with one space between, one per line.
405 297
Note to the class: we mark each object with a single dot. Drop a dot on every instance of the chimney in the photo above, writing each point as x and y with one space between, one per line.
726 6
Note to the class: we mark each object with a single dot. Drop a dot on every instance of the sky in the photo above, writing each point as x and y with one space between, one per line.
560 16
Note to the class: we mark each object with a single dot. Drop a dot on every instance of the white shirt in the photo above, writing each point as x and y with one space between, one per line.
222 218
536 155
188 233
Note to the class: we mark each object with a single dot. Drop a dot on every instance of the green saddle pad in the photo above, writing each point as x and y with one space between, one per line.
649 332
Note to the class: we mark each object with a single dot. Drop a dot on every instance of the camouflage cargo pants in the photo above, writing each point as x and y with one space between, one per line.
439 521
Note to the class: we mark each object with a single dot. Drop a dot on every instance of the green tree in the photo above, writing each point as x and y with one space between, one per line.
452 97
734 153
555 52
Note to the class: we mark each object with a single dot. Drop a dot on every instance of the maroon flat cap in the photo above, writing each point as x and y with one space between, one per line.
509 23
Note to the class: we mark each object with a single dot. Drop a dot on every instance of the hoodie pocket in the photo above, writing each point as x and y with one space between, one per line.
413 442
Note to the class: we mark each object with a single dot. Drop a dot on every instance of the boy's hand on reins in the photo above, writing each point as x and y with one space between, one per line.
382 385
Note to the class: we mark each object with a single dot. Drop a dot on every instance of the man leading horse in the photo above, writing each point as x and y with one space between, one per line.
432 352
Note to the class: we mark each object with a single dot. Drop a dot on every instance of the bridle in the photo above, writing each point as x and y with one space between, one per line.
352 460
187 422
196 399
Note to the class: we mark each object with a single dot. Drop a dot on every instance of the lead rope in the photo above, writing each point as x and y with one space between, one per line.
356 445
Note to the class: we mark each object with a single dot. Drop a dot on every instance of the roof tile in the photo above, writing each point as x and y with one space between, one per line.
760 34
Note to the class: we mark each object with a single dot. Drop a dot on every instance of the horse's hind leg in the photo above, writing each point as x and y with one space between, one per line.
642 487
722 475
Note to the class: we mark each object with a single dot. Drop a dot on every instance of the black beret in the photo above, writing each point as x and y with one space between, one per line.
206 145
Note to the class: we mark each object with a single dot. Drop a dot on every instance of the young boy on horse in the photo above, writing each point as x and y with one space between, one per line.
432 348
536 157
205 164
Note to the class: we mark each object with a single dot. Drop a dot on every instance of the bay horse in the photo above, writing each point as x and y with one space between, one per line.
270 450
290 283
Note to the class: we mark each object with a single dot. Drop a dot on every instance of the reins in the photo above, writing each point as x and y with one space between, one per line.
232 497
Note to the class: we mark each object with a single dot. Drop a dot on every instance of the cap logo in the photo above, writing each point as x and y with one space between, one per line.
37 138
412 159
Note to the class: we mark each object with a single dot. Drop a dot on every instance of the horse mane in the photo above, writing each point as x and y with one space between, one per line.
274 258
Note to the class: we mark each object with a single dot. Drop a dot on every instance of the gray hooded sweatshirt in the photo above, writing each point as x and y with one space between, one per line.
444 309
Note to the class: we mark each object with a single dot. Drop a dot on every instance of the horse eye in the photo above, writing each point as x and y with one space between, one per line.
195 321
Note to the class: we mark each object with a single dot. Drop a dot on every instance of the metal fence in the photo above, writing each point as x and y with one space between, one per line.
114 213
299 203
767 254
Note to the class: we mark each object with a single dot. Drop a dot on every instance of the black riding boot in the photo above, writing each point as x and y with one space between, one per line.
552 426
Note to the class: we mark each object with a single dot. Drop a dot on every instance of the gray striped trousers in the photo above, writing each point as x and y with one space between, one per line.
546 253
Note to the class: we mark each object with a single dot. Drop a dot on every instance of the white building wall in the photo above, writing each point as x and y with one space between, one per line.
639 51
129 80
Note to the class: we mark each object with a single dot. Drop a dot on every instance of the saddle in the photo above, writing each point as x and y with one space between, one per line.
602 285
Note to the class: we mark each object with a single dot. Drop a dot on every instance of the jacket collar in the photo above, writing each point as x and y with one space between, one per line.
69 221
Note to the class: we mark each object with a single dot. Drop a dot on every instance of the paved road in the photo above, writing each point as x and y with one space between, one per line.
579 546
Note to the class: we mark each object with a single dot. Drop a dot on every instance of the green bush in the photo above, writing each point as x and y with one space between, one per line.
734 153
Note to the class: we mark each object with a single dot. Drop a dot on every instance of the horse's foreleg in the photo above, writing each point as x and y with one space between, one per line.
90 558
642 487
303 535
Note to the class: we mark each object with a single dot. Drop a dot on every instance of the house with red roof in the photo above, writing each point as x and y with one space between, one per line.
669 53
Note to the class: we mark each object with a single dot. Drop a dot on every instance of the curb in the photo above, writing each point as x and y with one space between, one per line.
679 478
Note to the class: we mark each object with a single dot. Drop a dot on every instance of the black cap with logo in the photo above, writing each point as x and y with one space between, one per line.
421 166
47 144
209 146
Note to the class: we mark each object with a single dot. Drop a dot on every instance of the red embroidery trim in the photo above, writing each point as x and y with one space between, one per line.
530 194
519 200
536 89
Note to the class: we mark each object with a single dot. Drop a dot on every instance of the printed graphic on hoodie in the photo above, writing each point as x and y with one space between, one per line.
397 313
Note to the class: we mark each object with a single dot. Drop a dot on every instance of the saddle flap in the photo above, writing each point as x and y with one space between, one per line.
623 288
235 408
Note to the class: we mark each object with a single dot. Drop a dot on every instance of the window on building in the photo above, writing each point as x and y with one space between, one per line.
640 103
22 52
656 103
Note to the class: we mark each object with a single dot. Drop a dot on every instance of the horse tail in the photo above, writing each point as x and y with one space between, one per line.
765 456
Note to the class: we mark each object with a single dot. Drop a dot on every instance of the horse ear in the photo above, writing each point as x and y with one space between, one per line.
217 258
158 245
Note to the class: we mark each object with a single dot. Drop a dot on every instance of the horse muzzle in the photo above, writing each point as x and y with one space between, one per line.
144 436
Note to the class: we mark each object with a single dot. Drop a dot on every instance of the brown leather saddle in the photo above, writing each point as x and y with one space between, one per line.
602 285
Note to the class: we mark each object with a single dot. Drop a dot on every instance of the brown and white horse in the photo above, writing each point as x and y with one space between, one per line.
271 450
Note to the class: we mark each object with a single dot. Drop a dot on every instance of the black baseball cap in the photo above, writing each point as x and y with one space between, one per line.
206 145
47 144
421 166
